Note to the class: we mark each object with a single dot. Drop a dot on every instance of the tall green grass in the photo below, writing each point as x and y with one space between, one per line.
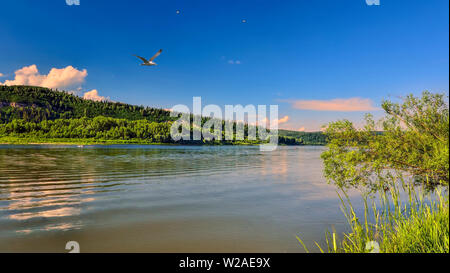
419 224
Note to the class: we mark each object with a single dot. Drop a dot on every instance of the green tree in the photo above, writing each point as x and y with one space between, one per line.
411 140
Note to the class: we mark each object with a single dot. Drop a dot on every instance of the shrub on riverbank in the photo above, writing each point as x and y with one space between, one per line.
413 147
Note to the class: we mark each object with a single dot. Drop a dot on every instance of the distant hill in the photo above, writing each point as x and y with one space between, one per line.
41 113
308 138
36 104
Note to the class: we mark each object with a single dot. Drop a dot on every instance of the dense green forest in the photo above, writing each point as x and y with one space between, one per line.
307 138
36 113
37 104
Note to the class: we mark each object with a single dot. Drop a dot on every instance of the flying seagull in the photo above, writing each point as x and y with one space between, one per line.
150 61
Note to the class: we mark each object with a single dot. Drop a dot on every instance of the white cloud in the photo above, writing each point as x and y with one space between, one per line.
67 77
93 95
56 78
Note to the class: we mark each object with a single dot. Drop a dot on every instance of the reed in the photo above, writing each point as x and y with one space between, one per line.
419 224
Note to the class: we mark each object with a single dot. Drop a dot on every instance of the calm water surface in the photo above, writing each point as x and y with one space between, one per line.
126 198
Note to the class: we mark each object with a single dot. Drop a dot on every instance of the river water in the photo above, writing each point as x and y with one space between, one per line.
131 198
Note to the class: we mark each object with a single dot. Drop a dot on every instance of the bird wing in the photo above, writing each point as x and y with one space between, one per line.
156 55
143 59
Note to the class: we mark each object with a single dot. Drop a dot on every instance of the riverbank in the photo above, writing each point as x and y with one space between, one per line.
8 140
74 141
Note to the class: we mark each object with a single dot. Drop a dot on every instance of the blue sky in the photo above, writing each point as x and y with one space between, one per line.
288 51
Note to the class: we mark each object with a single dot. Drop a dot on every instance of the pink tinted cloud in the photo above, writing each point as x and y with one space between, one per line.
56 78
340 105
265 121
283 120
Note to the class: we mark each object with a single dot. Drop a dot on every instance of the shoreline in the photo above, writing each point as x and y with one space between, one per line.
80 141
76 141
69 141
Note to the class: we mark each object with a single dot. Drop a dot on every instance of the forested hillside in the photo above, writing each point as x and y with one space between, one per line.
307 138
36 104
37 113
